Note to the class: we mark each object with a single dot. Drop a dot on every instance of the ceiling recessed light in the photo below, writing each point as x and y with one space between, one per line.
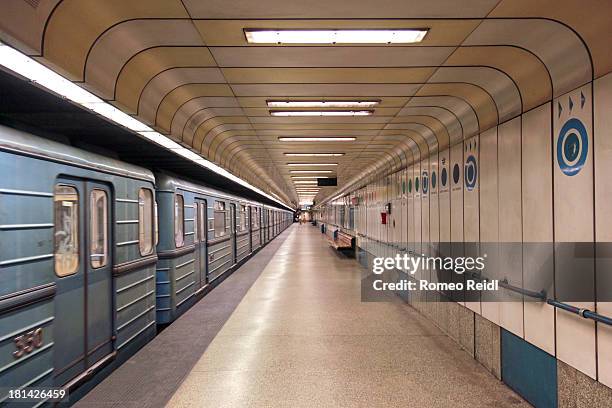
310 171
331 36
312 164
305 182
323 113
317 139
308 177
322 104
314 154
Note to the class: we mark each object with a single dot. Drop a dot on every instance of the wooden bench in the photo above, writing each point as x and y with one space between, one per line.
342 241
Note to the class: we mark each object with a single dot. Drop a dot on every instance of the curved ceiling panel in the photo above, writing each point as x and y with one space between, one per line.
463 111
164 83
176 98
285 75
447 118
110 51
497 84
75 25
322 8
590 20
524 68
23 23
564 55
477 98
147 64
435 132
279 57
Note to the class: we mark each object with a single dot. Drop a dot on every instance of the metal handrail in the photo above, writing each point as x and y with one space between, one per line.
586 313
537 295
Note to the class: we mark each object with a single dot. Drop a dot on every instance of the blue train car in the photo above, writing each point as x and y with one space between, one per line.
204 234
77 263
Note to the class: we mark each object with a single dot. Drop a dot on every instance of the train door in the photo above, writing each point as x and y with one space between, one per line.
261 225
200 239
83 300
270 225
249 226
233 236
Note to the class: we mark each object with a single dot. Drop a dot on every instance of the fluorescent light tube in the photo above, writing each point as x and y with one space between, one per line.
308 177
322 104
305 182
38 73
311 171
330 36
317 139
323 113
314 154
312 164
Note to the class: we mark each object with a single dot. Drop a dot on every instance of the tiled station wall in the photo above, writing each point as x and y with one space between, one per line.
519 194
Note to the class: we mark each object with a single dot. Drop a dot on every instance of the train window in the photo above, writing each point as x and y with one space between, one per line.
98 220
196 222
220 220
66 234
254 218
156 215
146 221
242 226
179 220
202 220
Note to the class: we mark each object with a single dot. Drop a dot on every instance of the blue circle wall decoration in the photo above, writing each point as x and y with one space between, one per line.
471 172
425 178
572 147
416 184
433 179
444 177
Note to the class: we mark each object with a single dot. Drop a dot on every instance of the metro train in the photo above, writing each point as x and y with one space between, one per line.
96 254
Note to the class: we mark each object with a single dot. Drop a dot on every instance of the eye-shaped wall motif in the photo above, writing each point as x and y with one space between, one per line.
470 172
572 147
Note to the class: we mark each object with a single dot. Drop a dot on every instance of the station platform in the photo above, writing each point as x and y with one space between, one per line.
288 329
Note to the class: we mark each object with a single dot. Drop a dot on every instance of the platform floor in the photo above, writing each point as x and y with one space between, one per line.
301 337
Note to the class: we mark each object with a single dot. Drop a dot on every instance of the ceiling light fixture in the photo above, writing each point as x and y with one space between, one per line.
314 154
311 171
322 104
305 182
308 177
317 139
337 36
312 164
323 113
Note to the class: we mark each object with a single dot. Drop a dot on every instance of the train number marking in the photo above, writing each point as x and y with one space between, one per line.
27 342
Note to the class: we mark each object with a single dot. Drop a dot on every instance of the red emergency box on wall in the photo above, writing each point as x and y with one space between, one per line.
383 217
